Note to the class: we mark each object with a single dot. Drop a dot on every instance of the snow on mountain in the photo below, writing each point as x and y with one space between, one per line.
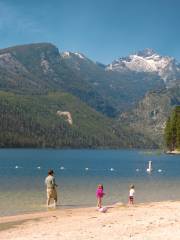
79 55
147 61
72 54
76 60
65 54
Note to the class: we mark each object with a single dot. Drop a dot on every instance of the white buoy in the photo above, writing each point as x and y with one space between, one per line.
16 167
137 169
159 170
86 168
149 169
111 169
38 167
62 168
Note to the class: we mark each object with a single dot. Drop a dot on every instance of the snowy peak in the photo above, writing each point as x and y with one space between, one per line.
72 54
76 60
79 55
65 54
147 60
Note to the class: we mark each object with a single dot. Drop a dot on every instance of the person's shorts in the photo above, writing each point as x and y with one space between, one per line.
131 198
51 193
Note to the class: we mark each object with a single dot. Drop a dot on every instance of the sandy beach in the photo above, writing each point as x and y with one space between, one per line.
150 221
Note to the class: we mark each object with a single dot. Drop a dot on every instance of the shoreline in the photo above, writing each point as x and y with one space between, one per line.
51 211
131 222
41 214
175 152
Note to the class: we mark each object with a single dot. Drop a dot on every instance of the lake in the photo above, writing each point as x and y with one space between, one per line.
78 172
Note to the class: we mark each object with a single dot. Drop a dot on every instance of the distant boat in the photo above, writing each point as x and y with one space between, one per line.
149 169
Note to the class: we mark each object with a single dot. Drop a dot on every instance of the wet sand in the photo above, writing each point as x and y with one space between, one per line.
152 221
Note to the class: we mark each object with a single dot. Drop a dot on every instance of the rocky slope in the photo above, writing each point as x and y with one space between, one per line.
122 90
151 114
39 68
149 61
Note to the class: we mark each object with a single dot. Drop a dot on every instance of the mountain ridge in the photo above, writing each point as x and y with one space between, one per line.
32 71
148 60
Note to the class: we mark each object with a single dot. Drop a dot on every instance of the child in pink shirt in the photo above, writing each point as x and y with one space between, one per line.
99 195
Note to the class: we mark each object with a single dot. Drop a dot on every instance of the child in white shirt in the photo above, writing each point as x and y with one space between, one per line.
131 194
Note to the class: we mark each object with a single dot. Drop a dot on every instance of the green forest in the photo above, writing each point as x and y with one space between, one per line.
172 130
32 121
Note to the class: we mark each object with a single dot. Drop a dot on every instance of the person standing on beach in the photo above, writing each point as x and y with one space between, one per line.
131 194
99 194
51 188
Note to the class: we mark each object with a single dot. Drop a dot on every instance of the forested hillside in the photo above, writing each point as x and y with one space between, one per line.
32 121
172 130
151 114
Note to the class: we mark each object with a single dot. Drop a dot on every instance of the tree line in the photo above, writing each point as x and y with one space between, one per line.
172 130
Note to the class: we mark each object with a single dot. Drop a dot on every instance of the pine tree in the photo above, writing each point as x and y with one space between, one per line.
168 134
172 130
178 128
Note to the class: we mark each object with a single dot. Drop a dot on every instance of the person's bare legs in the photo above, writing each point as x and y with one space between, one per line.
48 202
55 202
131 201
55 198
99 202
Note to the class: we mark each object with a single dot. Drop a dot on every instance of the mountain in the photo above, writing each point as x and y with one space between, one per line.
54 99
38 68
151 113
148 60
121 90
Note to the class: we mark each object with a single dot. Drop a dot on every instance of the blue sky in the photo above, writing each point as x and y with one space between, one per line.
101 29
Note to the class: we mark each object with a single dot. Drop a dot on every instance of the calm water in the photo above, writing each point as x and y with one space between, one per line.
78 172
